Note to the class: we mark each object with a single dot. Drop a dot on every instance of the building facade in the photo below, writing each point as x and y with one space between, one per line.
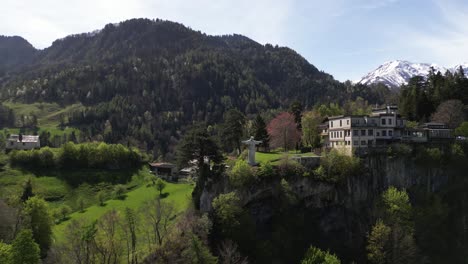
356 134
22 142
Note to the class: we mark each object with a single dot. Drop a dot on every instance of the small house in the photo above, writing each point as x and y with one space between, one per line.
22 142
165 170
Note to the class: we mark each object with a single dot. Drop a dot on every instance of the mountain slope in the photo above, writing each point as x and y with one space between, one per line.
396 73
14 51
143 81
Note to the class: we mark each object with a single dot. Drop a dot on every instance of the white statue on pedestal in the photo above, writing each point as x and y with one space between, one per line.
252 143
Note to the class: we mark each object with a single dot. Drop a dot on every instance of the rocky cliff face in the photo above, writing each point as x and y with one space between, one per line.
338 216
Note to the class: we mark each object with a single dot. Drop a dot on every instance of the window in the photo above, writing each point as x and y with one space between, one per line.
384 133
363 132
341 123
349 143
341 134
370 142
370 132
356 143
384 121
331 124
389 121
363 142
378 134
356 133
390 133
347 122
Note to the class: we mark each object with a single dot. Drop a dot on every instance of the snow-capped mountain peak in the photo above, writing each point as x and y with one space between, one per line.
398 72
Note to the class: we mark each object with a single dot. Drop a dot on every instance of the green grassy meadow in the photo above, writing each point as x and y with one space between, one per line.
48 117
178 194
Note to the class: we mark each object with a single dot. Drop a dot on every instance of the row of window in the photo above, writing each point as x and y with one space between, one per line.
355 143
384 121
362 132
341 123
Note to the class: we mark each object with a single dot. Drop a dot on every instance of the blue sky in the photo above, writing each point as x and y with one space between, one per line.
346 38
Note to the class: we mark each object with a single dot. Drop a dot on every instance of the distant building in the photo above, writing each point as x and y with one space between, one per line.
428 132
354 132
164 170
22 142
357 133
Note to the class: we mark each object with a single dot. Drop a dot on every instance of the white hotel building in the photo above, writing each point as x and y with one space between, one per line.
353 134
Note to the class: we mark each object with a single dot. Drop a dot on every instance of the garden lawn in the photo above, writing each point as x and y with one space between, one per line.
179 194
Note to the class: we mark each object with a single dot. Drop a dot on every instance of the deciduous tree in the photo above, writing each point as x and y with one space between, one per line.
283 131
450 112
24 250
310 130
317 256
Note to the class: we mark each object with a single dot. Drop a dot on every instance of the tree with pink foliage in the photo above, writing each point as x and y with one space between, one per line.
283 131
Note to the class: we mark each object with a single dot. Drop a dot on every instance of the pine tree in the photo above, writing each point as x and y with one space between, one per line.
27 191
296 109
232 129
261 132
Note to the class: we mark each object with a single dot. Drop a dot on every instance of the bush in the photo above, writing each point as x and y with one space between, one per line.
288 168
265 170
101 198
119 192
61 214
429 157
335 167
241 174
399 150
227 210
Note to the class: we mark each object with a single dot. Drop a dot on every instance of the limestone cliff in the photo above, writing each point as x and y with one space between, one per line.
337 215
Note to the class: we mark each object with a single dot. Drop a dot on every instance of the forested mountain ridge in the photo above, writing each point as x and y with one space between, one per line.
14 52
143 80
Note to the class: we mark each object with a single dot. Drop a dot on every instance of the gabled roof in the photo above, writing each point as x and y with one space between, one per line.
162 165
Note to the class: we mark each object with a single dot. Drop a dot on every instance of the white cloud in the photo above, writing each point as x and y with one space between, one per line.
446 43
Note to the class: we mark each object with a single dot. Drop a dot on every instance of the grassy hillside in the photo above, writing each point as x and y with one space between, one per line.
179 194
48 114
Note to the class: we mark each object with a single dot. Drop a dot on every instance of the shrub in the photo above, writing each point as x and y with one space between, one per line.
227 210
241 174
335 167
265 170
119 192
399 150
289 167
101 197
429 157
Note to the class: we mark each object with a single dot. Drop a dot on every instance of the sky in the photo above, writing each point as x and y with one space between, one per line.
346 38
